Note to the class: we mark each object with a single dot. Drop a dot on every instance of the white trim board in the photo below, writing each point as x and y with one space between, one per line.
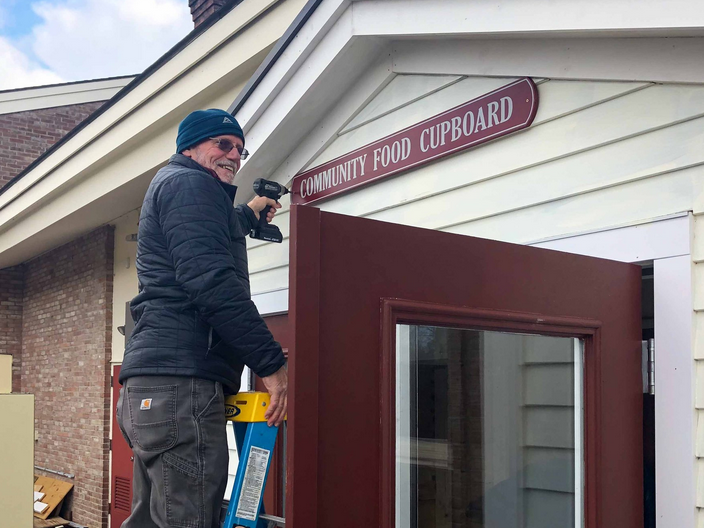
638 243
271 303
667 244
670 60
60 95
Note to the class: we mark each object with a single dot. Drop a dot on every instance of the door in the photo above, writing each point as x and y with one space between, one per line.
444 380
121 488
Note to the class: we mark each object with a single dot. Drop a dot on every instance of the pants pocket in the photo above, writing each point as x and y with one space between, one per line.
153 416
183 491
118 415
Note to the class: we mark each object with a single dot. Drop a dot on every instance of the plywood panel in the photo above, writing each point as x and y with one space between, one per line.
549 427
403 89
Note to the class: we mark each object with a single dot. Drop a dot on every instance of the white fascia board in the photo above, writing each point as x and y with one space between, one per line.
60 95
298 50
317 140
675 60
302 80
530 17
171 71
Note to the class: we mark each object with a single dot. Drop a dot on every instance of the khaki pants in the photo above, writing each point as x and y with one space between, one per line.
176 429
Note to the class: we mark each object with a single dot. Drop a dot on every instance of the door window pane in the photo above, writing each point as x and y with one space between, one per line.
488 429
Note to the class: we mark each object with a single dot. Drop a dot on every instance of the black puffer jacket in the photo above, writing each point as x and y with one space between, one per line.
194 315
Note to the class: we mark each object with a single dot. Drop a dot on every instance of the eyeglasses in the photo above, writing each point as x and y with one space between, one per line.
226 146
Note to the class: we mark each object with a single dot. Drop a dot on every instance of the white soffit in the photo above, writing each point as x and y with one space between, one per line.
26 99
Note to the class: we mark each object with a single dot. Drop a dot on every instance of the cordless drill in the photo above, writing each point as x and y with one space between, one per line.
264 230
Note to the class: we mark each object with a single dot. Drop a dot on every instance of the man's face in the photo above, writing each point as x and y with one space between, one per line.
209 154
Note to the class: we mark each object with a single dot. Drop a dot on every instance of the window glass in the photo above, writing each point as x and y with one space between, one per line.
488 429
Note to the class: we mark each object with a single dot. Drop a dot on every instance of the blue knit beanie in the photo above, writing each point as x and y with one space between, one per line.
203 124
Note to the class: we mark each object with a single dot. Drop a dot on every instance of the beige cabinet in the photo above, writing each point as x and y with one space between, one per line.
16 459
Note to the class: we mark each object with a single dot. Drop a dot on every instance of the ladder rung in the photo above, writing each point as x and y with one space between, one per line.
273 520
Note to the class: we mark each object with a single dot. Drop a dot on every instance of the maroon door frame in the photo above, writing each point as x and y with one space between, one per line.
348 277
121 474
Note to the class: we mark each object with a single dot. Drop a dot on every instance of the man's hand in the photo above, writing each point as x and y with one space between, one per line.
277 387
260 202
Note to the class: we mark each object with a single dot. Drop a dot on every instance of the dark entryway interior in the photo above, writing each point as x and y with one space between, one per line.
648 318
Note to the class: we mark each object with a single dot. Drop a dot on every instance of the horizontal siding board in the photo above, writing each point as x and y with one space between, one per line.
411 114
543 349
546 509
662 151
402 90
614 206
549 427
561 142
265 281
549 469
560 98
556 98
267 256
549 385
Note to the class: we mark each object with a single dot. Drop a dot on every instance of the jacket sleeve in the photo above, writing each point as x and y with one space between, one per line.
247 218
194 220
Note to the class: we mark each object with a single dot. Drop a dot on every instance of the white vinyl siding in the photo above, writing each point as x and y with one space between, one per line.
599 154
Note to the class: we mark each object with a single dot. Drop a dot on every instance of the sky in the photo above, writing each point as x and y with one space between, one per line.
54 41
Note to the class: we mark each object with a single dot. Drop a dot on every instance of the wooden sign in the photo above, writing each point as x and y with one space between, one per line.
488 117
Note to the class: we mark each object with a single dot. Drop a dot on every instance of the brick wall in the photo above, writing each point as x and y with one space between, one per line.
202 9
11 319
66 349
24 136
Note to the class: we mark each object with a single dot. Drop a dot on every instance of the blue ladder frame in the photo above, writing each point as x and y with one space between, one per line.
255 447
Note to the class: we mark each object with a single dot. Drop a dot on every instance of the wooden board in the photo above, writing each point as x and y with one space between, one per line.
55 491
50 523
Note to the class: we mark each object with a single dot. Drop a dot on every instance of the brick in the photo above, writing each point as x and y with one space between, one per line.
65 363
201 10
24 136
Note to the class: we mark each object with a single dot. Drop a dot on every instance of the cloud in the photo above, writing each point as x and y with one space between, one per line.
88 39
17 70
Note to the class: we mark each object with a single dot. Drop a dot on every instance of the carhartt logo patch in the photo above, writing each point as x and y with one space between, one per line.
227 120
146 405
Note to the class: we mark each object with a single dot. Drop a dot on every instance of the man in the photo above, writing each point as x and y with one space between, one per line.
195 329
